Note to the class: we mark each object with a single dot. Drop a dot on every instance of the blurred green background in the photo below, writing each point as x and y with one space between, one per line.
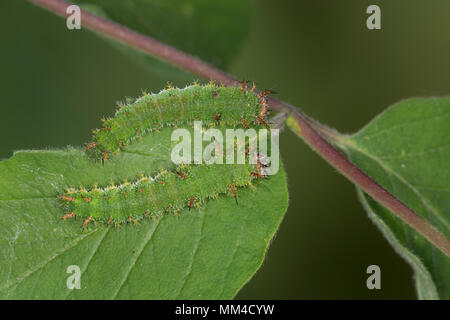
55 85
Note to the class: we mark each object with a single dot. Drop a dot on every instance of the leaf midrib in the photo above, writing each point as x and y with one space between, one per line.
348 143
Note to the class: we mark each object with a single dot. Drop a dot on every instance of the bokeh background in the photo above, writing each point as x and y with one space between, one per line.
55 85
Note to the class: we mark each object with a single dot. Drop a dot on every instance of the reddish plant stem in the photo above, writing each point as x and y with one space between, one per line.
363 181
308 130
151 46
141 42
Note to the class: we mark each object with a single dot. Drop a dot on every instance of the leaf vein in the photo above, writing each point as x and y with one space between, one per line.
149 236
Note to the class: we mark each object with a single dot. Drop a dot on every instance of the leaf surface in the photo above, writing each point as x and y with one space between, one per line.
205 252
211 30
406 149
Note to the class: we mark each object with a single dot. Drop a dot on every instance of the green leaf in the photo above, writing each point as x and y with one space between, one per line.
406 149
210 30
205 252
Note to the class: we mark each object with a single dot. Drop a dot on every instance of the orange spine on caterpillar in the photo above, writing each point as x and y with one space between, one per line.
264 108
71 199
233 192
181 174
68 215
259 168
244 123
91 145
216 117
191 202
244 85
86 222
104 156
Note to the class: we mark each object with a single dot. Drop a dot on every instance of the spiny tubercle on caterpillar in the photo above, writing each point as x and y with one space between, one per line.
213 105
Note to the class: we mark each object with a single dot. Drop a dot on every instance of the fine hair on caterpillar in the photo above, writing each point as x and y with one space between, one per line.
213 105
185 187
218 145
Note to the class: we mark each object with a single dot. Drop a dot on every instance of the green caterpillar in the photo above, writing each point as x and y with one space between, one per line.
227 106
169 190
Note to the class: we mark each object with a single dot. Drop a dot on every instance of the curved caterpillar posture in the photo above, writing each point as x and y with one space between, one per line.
188 185
213 105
